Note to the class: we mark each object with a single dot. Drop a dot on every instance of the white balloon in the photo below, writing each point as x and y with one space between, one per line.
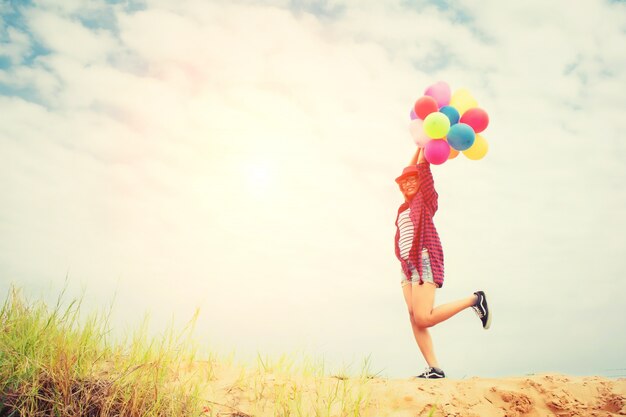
416 128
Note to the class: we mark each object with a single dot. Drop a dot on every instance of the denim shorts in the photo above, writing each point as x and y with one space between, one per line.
427 272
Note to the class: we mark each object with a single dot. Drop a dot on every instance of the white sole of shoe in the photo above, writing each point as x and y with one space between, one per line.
490 315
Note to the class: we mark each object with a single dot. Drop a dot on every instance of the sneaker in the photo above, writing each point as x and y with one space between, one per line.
482 310
432 373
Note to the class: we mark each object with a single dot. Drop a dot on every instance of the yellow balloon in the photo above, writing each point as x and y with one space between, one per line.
478 150
462 100
436 125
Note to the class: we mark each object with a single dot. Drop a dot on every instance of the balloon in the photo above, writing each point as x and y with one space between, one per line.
452 113
462 99
478 150
445 123
416 127
437 151
440 91
453 152
436 125
476 118
461 136
425 106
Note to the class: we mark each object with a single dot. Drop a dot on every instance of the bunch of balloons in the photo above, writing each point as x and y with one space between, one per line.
445 124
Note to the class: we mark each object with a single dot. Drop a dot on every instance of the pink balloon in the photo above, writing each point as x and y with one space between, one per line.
441 92
416 128
437 151
412 115
476 118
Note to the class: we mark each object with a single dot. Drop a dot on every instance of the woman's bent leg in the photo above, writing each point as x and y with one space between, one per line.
424 314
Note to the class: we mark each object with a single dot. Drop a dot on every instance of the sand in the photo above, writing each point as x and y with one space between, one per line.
260 394
534 396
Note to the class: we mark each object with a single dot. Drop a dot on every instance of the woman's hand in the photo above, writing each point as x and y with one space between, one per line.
421 158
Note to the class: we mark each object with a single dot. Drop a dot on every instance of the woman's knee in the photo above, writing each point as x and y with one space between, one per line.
421 320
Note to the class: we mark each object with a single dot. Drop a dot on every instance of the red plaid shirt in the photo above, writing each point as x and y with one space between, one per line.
423 207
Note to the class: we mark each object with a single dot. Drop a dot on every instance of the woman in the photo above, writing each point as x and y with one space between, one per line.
419 251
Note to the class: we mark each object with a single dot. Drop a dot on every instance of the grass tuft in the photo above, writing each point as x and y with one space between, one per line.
52 363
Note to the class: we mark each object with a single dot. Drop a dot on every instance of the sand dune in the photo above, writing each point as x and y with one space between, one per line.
544 395
268 394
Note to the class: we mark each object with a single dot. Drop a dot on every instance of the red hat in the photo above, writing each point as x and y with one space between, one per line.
406 172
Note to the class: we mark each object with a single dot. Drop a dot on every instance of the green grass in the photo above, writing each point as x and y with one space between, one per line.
54 362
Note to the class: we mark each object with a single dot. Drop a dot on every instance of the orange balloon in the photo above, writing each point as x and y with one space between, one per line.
453 152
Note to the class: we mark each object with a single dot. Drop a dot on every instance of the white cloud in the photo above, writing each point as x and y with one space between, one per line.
69 38
136 168
17 45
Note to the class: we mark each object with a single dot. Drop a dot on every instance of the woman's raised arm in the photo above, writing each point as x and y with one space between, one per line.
418 157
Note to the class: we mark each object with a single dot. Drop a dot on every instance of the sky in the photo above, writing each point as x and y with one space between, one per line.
239 157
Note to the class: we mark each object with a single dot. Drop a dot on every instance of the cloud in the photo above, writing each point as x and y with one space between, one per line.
69 38
241 156
16 46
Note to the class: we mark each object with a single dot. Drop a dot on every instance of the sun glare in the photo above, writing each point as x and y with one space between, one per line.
259 177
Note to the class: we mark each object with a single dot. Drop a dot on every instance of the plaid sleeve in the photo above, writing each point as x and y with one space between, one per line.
427 186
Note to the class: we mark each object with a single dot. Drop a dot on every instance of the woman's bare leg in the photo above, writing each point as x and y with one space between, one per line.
422 299
422 336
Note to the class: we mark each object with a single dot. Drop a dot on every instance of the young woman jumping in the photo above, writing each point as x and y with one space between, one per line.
419 251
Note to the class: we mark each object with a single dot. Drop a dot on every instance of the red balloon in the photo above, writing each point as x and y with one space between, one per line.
425 106
476 118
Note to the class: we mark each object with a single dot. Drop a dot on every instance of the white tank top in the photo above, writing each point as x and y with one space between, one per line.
407 231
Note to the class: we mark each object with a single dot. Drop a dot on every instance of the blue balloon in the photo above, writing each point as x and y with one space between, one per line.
452 113
461 136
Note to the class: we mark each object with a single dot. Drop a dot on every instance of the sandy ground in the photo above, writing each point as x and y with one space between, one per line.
535 396
266 394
